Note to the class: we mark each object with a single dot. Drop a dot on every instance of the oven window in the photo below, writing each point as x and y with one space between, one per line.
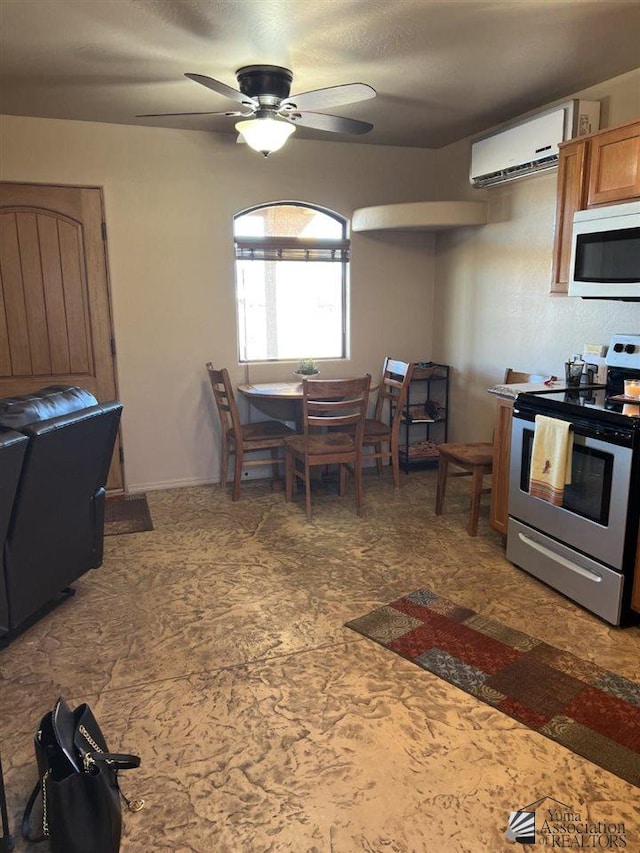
589 493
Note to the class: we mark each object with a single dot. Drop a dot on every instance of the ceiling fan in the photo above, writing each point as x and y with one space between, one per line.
270 114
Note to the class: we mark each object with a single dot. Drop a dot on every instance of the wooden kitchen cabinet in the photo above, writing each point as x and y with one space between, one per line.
614 170
572 190
603 168
499 511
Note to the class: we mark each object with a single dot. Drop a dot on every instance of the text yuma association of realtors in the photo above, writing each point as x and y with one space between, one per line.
567 830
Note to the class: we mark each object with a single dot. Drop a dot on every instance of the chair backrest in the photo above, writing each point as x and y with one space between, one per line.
57 523
12 448
392 394
517 377
225 400
335 403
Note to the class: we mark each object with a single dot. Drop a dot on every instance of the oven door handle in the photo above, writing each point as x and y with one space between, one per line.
589 574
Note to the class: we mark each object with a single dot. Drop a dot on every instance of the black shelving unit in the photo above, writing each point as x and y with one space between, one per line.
425 418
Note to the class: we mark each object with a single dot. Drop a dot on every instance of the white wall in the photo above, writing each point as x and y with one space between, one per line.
170 196
492 297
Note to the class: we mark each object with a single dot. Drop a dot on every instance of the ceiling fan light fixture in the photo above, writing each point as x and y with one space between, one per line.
265 134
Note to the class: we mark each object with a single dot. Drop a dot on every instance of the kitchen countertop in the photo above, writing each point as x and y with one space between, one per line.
512 391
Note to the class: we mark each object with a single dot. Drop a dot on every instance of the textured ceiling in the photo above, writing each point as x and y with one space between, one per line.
443 69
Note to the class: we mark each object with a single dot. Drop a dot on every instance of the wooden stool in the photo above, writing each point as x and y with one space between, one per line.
476 460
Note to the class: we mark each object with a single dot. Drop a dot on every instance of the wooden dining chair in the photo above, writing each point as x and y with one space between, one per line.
473 459
381 433
328 407
238 438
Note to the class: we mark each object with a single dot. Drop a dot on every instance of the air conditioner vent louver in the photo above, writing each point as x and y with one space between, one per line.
530 146
517 172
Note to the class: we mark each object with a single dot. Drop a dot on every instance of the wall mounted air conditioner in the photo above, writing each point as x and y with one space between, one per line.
531 145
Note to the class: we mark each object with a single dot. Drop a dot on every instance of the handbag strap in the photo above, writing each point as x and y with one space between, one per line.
26 817
6 842
118 760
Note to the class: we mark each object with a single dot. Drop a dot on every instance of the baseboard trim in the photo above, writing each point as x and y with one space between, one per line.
259 473
132 488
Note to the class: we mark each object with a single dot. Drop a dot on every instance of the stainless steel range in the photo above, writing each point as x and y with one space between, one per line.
587 548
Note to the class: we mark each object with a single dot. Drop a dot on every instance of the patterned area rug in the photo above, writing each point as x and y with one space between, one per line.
127 514
593 712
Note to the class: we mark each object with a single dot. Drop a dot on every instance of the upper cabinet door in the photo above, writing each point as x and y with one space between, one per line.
615 165
572 180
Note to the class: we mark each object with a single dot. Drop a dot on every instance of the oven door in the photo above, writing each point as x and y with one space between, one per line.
593 516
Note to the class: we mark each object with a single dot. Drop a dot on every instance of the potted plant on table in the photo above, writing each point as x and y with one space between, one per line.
307 367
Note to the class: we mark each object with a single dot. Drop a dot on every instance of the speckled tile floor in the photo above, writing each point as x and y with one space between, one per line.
214 646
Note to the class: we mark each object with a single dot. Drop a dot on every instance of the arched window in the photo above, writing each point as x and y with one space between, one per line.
291 282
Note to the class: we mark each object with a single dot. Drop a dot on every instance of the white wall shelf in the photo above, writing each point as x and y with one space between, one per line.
420 216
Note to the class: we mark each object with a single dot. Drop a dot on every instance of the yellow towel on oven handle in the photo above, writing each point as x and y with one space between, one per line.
550 459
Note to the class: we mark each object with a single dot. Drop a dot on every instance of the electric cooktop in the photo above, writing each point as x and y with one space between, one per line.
596 402
590 402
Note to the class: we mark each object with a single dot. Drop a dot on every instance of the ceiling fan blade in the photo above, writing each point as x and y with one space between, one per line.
333 124
334 96
222 89
226 113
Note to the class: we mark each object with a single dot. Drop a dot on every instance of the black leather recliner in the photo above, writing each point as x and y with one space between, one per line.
12 448
56 526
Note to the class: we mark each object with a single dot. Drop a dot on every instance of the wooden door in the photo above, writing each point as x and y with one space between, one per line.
55 310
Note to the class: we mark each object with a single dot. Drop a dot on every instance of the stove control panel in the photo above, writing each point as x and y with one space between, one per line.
624 351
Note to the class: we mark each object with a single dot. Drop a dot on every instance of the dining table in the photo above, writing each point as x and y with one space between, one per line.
280 400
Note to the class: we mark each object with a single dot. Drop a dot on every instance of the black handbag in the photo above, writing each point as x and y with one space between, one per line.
81 811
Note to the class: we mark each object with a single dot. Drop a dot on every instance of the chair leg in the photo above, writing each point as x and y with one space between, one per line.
224 462
342 487
443 464
288 467
476 492
357 474
377 448
275 468
237 474
395 464
307 489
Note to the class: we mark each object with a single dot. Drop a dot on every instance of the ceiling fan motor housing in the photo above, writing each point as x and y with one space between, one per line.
256 80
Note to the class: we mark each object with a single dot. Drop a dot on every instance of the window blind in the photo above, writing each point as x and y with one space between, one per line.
291 249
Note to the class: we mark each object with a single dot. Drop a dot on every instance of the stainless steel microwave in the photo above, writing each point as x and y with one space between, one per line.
605 253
